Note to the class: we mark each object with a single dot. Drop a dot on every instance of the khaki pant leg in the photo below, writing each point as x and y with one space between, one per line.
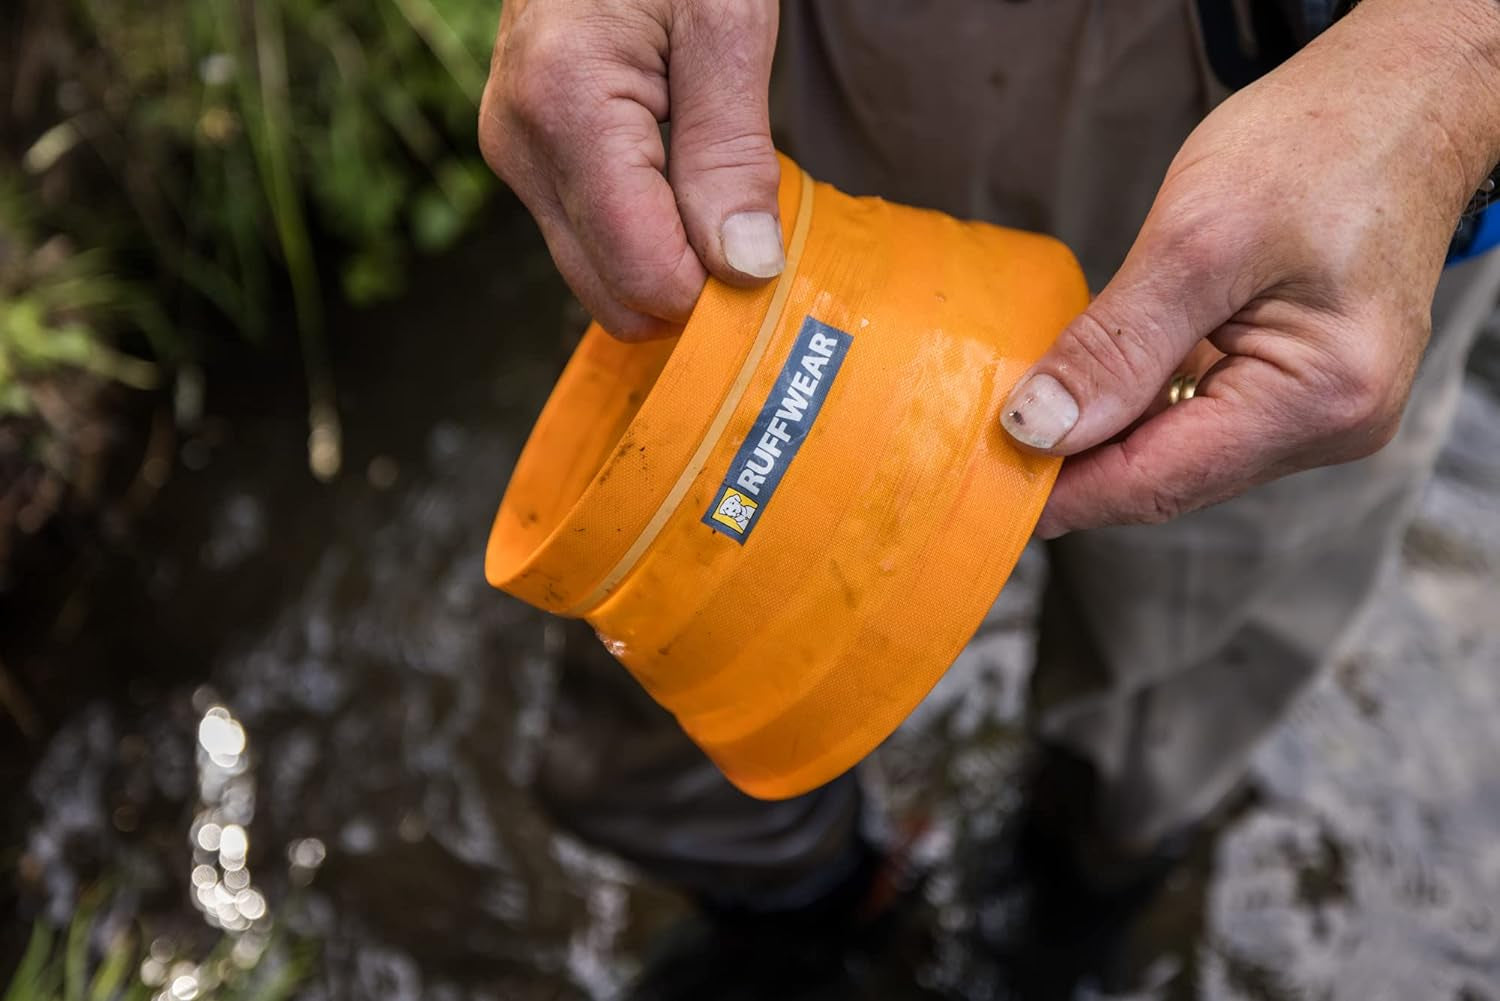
618 772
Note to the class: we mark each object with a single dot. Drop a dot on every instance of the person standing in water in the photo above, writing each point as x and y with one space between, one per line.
1263 177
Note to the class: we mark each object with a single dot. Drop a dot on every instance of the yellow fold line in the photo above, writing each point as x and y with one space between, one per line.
721 419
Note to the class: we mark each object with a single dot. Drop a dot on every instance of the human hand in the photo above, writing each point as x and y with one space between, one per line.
1301 230
570 120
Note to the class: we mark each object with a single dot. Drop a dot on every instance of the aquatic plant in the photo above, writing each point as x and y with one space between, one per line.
186 167
91 961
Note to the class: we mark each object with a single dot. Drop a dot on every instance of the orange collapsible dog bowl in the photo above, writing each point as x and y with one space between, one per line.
788 521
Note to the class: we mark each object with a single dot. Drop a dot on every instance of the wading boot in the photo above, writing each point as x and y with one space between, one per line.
844 944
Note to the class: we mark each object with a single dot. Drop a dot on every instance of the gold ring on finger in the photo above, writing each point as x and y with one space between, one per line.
1183 387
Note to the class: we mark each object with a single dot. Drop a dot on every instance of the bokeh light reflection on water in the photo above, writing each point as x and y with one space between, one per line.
221 886
223 890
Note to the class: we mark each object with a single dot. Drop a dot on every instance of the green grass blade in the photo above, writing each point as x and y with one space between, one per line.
428 22
268 113
33 978
281 984
117 965
76 954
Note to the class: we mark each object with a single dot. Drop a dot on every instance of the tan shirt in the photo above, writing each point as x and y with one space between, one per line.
1052 115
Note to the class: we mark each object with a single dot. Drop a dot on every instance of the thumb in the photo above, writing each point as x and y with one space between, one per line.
1110 364
722 164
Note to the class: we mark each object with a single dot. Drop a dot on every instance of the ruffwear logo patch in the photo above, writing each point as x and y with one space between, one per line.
778 432
734 512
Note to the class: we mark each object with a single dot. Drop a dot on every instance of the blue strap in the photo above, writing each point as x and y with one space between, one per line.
1478 235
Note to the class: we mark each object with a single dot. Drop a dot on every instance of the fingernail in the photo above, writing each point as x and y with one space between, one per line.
1040 412
752 244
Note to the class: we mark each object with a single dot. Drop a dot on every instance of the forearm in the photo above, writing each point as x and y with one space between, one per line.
1444 55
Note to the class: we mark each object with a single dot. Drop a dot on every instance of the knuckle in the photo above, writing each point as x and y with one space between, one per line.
739 150
494 138
723 172
546 46
1162 507
1197 249
650 286
539 70
523 100
622 321
631 326
1360 443
1366 395
731 20
1107 352
532 97
1156 501
1371 432
1210 244
648 275
1383 433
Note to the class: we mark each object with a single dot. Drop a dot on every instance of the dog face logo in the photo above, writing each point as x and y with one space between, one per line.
734 511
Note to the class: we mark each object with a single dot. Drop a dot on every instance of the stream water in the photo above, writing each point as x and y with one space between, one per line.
313 684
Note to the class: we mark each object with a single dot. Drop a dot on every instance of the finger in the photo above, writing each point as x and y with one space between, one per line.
570 122
1176 286
723 165
590 287
515 162
622 213
1189 378
1229 437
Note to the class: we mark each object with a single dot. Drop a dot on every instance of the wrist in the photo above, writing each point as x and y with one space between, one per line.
1474 27
1450 51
